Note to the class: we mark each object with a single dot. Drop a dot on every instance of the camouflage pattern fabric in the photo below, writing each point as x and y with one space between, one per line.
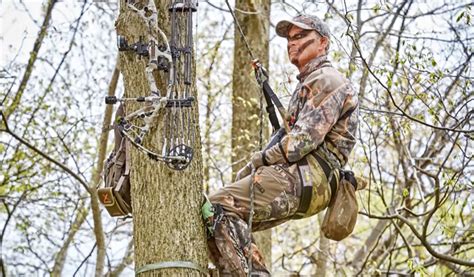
229 249
318 106
321 191
277 196
305 22
277 193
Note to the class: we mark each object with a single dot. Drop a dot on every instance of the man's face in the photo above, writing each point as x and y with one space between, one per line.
304 45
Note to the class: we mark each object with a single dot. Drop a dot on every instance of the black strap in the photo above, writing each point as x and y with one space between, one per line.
306 190
348 175
270 99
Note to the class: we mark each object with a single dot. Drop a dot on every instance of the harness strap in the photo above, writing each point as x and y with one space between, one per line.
307 185
327 171
306 188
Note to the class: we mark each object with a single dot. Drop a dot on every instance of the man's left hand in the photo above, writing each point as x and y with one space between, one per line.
255 162
257 159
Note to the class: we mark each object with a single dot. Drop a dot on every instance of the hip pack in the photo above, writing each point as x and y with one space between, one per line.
115 195
341 215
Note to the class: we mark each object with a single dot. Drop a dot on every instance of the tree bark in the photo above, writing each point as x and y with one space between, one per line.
254 18
166 203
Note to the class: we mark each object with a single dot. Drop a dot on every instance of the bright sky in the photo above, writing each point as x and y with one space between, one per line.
17 31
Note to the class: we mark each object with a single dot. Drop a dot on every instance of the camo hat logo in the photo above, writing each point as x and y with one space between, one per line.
306 22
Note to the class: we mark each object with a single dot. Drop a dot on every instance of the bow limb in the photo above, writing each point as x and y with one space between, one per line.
169 58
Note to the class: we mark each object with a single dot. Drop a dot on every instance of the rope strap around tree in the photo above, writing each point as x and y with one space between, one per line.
171 264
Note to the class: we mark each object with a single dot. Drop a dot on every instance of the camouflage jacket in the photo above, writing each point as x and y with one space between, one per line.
324 112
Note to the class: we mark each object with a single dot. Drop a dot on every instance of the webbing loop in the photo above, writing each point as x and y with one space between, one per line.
171 264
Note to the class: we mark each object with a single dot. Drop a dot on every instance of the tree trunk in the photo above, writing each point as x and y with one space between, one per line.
166 203
246 94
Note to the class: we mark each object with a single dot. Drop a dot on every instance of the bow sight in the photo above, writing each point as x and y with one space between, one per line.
174 58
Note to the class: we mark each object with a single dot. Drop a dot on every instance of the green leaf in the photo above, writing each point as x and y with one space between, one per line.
410 264
376 8
459 16
350 17
405 193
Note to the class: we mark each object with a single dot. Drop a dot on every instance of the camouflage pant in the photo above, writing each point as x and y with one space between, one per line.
277 193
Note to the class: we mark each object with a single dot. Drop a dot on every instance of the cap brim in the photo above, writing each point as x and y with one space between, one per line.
283 27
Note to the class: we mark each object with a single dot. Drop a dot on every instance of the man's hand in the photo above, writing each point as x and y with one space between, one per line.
244 172
255 162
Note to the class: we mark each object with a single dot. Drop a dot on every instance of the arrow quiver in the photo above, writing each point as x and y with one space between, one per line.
115 195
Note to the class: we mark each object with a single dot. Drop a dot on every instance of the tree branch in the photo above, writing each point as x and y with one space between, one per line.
32 60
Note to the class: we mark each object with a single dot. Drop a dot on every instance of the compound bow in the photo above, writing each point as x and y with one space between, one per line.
175 58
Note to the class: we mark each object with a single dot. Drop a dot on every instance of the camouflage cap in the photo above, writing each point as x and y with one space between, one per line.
306 22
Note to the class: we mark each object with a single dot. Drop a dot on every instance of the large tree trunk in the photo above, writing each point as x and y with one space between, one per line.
166 203
246 94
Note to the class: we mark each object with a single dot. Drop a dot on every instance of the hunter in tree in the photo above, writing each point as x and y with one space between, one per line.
296 177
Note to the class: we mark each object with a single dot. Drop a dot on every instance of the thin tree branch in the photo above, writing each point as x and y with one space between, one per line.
32 59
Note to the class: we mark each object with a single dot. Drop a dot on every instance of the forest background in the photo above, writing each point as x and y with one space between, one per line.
411 62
